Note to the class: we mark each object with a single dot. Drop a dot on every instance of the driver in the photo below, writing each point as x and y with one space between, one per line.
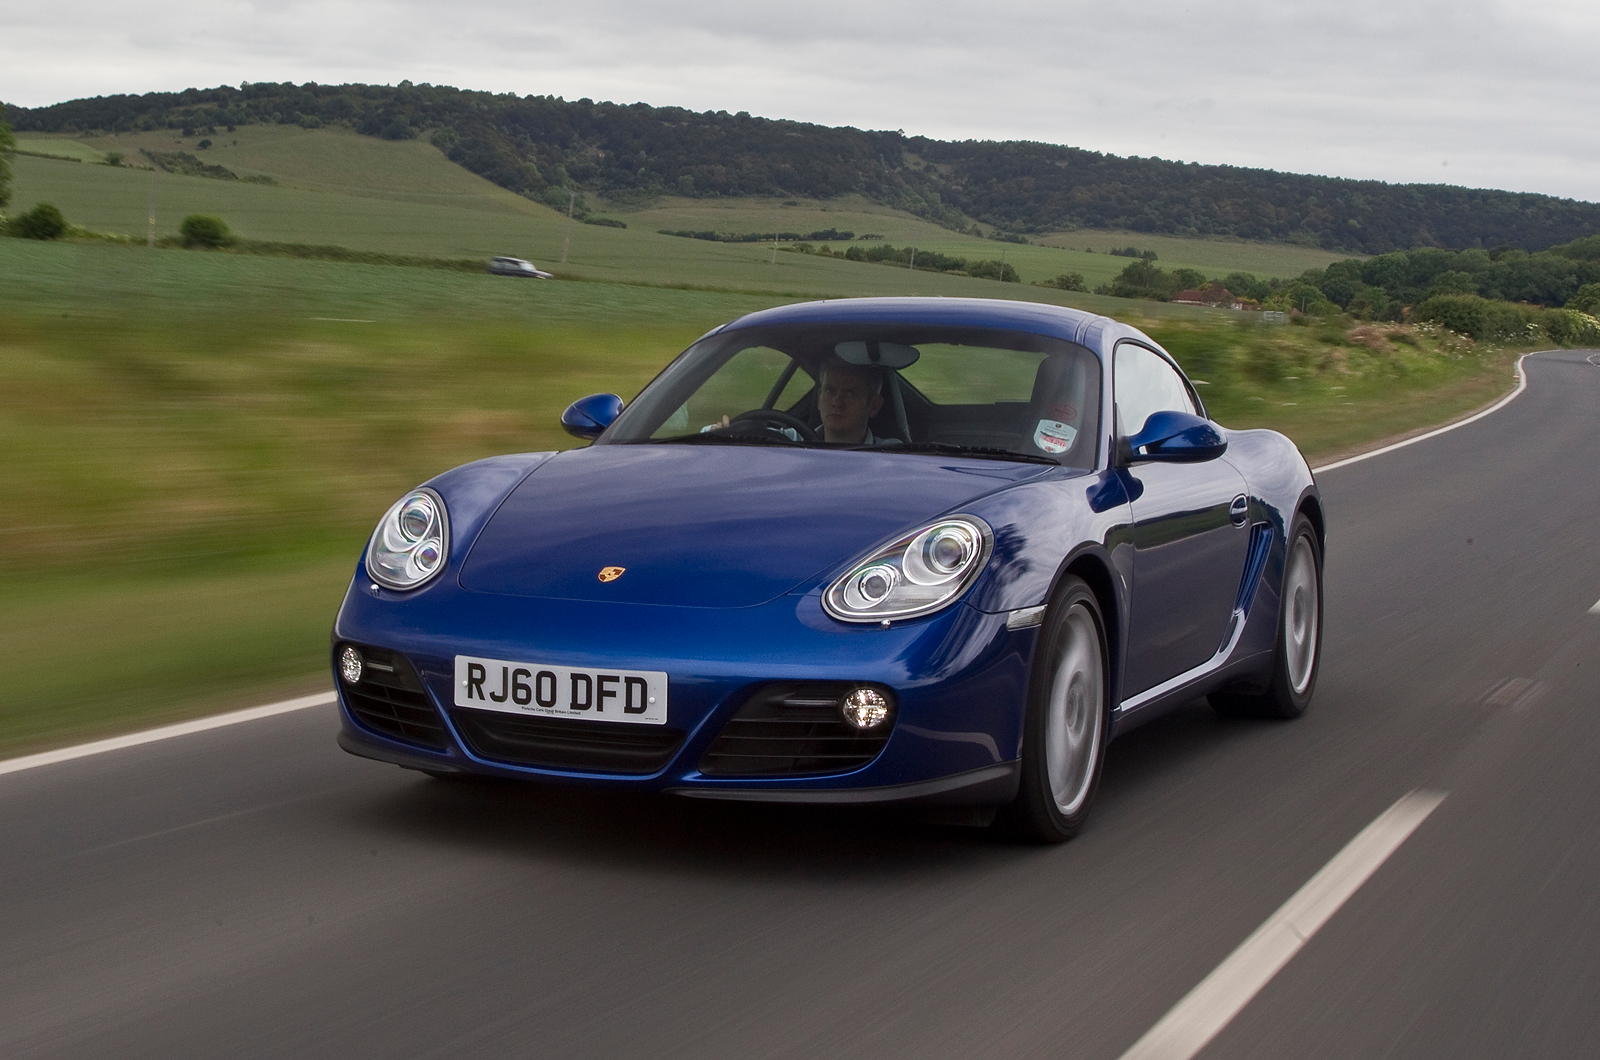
847 397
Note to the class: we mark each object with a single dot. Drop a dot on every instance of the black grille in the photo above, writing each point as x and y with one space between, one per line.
390 699
794 729
557 743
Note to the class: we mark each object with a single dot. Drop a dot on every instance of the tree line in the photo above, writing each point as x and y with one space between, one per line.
1498 295
546 147
1386 286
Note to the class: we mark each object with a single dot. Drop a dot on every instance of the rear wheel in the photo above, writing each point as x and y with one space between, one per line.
1299 653
1064 733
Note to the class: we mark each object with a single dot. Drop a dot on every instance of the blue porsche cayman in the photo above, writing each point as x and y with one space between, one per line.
922 550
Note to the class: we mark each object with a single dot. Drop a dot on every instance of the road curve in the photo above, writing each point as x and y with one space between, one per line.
252 891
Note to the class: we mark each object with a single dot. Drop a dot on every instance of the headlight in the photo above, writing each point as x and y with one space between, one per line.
915 575
411 542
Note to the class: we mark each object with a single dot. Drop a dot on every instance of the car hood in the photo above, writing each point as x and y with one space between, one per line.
710 526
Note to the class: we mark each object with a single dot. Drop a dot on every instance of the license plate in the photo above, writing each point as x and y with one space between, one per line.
636 696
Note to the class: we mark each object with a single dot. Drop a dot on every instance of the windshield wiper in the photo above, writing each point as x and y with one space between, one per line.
982 452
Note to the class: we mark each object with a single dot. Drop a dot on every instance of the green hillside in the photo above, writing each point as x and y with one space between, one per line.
334 186
545 146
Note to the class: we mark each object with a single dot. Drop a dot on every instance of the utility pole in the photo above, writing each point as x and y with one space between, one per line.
566 240
913 265
150 231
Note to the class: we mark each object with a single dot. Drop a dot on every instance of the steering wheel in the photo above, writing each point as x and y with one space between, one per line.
772 419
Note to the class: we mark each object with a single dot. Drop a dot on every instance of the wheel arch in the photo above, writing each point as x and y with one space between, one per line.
1095 571
1310 506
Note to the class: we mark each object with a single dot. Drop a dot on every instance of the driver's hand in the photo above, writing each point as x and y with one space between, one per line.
715 426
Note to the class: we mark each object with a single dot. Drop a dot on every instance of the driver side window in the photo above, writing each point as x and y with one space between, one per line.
744 382
1144 383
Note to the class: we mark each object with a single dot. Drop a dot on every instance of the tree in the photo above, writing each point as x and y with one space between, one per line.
1248 285
1067 281
7 142
44 221
1587 300
199 230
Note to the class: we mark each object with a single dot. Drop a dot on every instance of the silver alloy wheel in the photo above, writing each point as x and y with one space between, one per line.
1073 711
1300 614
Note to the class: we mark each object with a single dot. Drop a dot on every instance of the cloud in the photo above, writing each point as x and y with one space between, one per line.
1366 89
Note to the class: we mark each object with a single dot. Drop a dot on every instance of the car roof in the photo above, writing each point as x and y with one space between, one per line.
1038 317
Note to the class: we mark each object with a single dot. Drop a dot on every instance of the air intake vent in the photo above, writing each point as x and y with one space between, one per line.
390 700
793 729
556 743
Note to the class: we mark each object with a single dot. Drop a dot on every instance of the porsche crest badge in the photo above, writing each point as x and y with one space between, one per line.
611 574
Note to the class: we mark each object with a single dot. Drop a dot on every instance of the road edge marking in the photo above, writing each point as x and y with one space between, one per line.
166 732
1191 1024
1522 384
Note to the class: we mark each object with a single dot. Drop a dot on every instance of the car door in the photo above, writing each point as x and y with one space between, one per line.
1190 533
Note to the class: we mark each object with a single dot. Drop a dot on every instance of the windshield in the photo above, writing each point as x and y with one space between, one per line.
907 388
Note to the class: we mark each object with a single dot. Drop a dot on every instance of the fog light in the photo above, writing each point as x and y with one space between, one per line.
865 708
350 665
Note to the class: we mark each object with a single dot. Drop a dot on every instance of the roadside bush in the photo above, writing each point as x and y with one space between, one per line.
1587 298
199 230
1570 327
1479 317
44 221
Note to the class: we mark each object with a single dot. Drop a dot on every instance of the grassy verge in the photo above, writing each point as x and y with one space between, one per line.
1336 389
195 458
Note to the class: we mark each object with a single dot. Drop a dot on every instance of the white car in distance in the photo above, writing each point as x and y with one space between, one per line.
517 267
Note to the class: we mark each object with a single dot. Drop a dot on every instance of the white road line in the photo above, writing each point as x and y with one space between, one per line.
1522 384
1595 610
1209 1007
166 732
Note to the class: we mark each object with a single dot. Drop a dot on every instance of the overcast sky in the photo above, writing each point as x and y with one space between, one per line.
1485 93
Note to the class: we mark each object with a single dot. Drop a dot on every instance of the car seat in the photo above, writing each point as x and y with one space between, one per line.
1060 421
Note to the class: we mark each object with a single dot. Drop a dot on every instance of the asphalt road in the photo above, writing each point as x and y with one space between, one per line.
254 892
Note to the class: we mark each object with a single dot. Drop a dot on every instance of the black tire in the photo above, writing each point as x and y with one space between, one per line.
1068 718
1294 672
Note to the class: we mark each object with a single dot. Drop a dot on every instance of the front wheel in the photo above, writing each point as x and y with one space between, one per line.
1064 733
1299 652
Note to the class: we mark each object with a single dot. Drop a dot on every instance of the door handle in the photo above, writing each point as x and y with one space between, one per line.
1239 510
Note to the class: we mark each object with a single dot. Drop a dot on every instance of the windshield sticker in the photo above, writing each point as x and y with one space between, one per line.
1063 411
1053 436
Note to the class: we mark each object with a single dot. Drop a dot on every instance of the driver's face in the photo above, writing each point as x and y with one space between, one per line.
846 403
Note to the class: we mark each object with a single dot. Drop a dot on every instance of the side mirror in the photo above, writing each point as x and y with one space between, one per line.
1177 437
588 416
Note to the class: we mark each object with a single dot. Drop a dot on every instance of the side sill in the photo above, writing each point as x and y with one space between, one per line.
984 786
361 749
1172 684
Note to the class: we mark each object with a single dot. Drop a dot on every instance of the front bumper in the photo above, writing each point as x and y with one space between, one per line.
960 677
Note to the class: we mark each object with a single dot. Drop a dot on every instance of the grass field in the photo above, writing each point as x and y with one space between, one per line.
60 148
1042 258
